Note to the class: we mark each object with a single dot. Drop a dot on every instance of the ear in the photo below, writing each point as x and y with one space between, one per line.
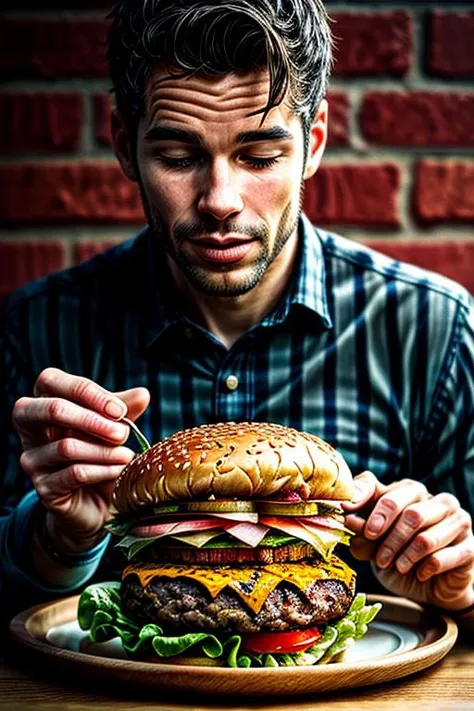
317 140
122 144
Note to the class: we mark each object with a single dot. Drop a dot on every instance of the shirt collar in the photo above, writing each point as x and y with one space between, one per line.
307 288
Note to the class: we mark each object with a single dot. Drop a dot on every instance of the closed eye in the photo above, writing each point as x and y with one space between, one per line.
189 161
260 163
180 163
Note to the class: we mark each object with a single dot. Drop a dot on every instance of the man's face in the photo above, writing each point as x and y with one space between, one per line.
221 189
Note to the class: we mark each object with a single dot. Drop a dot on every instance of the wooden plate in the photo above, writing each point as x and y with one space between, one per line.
435 635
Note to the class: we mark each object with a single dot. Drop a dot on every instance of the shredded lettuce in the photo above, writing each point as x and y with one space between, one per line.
99 611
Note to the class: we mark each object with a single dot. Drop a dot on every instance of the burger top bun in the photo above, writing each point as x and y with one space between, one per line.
249 460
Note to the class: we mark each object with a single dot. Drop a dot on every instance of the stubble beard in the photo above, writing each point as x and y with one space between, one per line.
226 282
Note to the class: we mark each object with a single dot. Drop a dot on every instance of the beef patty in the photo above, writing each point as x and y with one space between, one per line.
180 605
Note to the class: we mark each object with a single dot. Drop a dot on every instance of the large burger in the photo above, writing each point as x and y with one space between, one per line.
230 533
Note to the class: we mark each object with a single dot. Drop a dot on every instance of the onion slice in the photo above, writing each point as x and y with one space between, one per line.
166 529
324 522
249 533
245 517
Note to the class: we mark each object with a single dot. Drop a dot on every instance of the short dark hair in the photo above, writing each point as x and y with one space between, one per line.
291 38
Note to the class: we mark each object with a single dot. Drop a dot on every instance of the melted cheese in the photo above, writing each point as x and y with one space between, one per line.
252 584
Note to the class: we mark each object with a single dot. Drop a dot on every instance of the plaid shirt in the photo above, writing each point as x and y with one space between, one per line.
374 356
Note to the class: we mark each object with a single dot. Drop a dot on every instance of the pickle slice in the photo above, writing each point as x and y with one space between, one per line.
300 508
220 506
163 510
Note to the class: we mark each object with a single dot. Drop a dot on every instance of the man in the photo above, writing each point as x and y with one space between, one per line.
231 306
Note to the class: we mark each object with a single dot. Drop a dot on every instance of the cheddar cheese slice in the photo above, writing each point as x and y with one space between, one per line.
252 584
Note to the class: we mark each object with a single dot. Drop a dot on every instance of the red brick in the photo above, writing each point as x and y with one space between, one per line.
40 123
454 259
418 118
444 191
21 262
451 47
365 195
102 110
338 119
50 48
373 43
86 250
68 193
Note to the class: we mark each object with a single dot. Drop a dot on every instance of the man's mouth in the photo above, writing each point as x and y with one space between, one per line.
223 250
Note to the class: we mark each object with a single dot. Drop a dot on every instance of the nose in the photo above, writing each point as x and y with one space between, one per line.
220 194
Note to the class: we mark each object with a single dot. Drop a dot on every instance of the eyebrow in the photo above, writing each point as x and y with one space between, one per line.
169 133
265 134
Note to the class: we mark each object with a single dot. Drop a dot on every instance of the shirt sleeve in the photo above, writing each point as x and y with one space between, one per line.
19 586
450 446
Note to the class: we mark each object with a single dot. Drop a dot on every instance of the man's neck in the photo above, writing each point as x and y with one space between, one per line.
228 318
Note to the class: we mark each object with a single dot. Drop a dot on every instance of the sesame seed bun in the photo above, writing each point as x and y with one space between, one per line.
250 460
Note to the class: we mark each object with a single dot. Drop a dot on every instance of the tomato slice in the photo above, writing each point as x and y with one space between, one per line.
281 642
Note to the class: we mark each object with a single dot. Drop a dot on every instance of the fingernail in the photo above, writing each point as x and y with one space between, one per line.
360 492
375 524
115 410
384 558
425 573
118 431
403 563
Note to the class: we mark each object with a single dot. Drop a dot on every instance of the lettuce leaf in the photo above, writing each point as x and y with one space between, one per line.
99 611
131 545
120 524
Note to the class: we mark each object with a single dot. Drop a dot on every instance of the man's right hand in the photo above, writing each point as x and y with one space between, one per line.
72 450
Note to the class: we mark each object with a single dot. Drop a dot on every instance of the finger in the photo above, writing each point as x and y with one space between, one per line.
59 484
433 539
458 558
416 529
136 401
390 505
362 549
32 413
355 523
56 454
367 488
53 382
454 588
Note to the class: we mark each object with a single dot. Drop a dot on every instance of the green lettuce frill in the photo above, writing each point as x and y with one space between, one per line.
99 612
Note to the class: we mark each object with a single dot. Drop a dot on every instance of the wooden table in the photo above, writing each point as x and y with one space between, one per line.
447 685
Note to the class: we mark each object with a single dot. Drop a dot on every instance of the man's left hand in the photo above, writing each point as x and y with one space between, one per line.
420 546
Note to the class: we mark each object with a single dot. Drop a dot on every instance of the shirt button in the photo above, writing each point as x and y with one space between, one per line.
232 382
188 332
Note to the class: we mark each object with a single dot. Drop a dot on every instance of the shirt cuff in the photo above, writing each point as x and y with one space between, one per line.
16 555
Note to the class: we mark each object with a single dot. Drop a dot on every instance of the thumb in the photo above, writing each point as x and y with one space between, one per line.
362 549
368 490
136 400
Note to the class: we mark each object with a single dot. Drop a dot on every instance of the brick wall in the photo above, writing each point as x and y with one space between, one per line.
398 173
